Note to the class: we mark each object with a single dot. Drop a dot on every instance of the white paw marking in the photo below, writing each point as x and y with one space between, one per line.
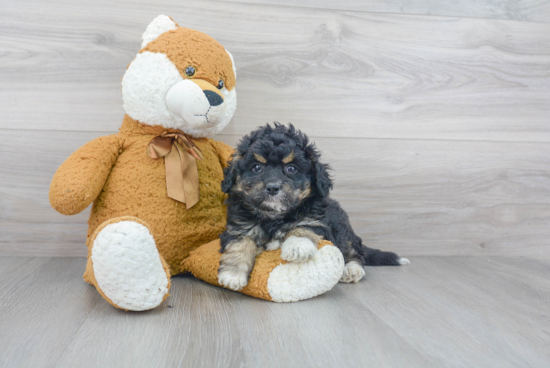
232 279
403 261
298 249
274 244
127 266
353 272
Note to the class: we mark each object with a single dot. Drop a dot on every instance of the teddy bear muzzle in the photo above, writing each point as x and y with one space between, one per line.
197 102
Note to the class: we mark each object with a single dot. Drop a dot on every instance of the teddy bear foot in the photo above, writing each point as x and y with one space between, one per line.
296 281
272 277
127 267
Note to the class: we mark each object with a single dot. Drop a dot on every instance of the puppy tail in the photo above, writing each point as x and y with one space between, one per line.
375 257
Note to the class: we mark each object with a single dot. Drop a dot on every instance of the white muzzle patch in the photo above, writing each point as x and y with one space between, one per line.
189 102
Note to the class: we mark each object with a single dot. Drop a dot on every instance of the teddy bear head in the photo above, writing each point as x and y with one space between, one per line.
182 79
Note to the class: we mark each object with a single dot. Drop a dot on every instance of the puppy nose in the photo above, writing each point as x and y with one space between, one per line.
273 189
213 98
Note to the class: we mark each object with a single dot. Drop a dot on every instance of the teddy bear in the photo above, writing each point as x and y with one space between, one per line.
158 208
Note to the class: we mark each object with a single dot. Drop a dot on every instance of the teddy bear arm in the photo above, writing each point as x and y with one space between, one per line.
273 278
80 179
224 152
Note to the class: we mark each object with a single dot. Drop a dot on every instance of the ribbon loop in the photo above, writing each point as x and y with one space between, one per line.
180 154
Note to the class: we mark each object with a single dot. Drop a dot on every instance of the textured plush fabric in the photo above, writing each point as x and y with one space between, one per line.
121 271
205 261
136 186
212 63
80 179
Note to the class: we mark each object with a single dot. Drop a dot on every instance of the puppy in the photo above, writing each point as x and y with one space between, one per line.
279 198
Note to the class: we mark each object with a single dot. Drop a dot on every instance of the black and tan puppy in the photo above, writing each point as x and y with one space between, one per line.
279 197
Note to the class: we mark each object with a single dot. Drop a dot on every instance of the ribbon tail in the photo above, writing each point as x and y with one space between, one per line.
190 177
174 176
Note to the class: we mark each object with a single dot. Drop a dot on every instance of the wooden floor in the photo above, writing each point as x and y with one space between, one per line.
438 312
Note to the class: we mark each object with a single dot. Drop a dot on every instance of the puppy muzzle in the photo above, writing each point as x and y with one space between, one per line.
197 102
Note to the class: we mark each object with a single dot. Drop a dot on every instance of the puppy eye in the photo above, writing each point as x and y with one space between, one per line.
220 84
257 168
190 71
291 169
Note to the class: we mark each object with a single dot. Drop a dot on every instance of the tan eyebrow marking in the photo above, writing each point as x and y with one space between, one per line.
288 158
260 158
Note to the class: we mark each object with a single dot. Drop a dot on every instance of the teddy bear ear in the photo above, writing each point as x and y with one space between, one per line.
232 63
158 26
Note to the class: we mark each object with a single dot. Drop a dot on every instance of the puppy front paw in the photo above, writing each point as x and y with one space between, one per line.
273 245
298 249
232 279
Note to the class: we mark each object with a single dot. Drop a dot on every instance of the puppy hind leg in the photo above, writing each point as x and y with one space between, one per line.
236 263
353 272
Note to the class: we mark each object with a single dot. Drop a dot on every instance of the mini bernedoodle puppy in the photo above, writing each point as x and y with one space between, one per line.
279 198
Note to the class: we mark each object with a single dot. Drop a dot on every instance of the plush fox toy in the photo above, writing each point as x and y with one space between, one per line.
155 186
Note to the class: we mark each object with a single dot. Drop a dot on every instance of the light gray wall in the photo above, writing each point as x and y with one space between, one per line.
436 120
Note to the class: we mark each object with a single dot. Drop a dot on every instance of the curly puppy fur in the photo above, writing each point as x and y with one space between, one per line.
279 197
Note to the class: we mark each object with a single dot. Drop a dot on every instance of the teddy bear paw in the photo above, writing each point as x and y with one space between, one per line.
295 281
128 268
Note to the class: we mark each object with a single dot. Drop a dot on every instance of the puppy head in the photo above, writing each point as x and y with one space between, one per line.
274 170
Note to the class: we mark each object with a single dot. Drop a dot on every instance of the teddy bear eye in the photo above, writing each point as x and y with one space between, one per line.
220 84
190 71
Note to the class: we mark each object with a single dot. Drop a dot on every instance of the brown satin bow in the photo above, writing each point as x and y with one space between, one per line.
180 155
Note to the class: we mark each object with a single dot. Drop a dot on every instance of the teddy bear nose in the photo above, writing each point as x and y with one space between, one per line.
213 98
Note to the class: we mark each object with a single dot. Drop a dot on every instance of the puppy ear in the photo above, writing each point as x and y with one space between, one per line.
323 182
230 174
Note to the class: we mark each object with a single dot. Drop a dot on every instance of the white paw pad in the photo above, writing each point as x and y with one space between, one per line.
298 249
232 279
353 272
127 266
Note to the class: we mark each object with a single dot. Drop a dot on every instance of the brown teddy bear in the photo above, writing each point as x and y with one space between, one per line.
155 186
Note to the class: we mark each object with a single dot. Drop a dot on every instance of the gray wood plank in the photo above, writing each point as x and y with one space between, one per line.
28 225
483 307
413 197
523 10
346 74
439 311
45 304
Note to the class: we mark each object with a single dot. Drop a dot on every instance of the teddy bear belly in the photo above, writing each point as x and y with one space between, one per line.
140 191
